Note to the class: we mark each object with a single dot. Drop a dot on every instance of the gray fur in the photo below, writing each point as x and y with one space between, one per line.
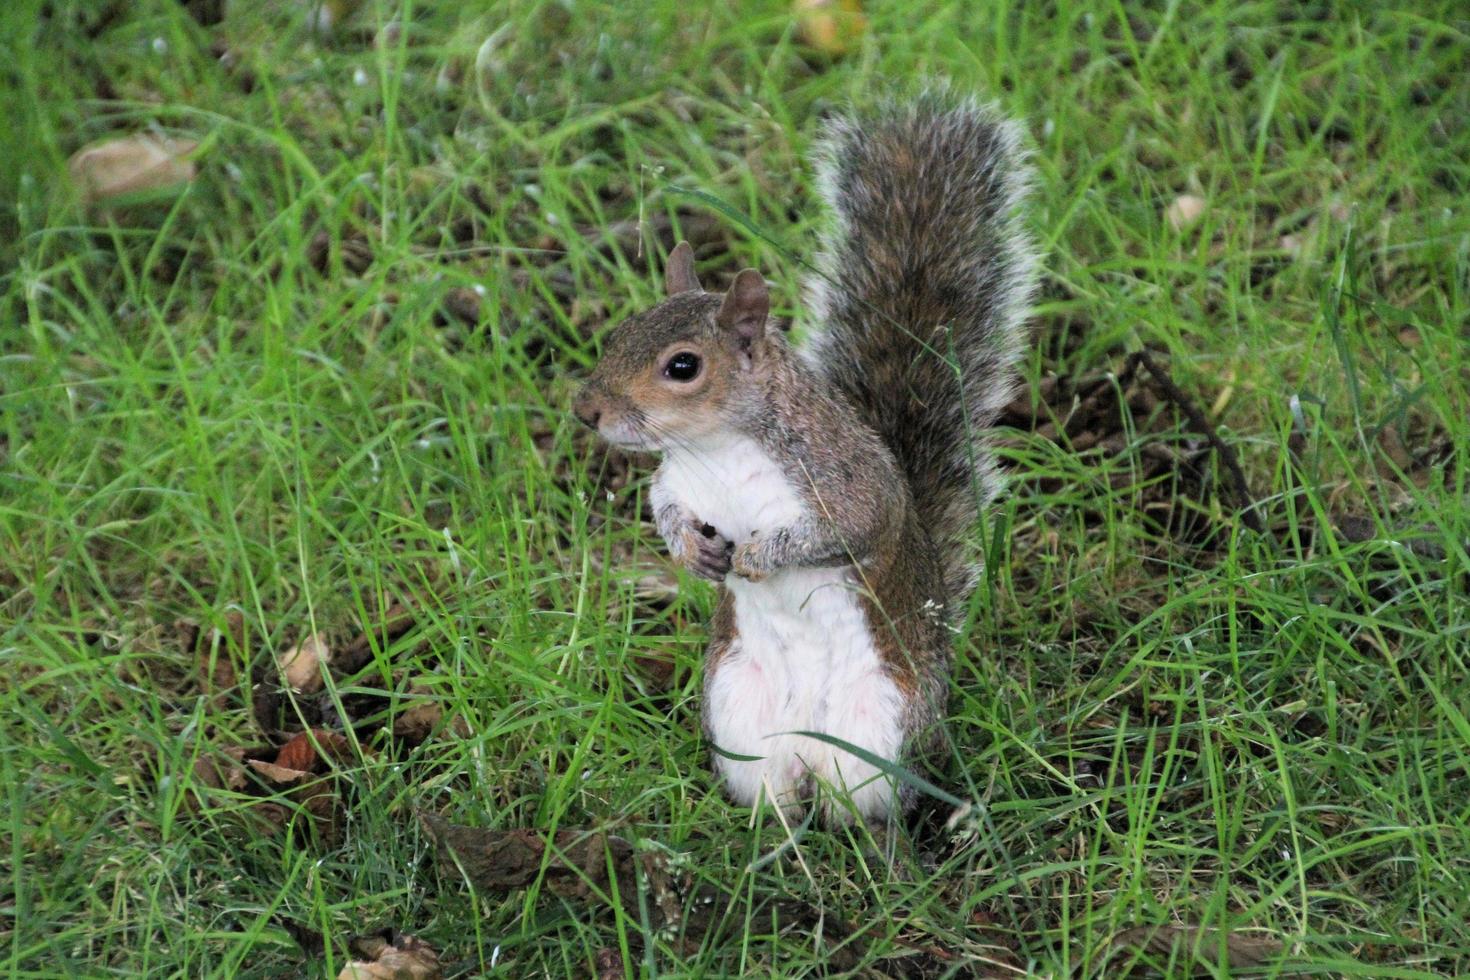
925 279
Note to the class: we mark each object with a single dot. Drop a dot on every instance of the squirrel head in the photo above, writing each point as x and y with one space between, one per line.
683 369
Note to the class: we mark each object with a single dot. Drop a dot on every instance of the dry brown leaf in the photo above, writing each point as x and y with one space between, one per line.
298 754
500 860
389 36
657 669
301 664
131 165
463 304
418 721
1242 950
310 750
279 776
833 27
216 651
405 958
396 621
267 817
222 770
285 778
1393 447
585 865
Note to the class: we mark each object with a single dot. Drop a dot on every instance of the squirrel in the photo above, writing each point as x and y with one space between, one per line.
832 488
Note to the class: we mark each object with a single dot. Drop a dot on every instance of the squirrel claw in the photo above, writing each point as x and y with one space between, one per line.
707 553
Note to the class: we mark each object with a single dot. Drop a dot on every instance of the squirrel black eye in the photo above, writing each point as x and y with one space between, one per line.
683 366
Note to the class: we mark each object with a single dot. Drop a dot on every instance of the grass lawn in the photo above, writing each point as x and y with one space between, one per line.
322 388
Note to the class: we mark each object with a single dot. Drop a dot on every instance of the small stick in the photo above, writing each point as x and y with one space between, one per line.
1201 425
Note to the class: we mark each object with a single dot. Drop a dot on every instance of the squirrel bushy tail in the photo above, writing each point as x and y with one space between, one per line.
919 306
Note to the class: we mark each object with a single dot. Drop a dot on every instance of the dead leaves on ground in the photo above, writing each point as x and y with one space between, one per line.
1150 433
601 870
384 954
391 957
310 735
298 778
1179 944
1133 415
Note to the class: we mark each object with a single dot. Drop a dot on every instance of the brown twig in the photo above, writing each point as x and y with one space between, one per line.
1201 425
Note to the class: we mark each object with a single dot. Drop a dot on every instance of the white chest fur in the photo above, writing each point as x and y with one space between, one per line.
804 658
734 485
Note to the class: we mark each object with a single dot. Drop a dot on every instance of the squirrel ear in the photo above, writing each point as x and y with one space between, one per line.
679 273
745 307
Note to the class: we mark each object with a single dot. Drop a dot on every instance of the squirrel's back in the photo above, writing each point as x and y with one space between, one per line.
923 285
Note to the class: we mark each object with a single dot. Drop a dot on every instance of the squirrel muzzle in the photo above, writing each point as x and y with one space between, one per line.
588 408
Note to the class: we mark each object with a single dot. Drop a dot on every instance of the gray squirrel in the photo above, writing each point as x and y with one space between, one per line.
833 490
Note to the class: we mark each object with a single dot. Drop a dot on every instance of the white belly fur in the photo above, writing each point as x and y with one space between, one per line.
803 660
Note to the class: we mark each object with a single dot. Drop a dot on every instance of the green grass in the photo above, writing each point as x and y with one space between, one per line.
1162 717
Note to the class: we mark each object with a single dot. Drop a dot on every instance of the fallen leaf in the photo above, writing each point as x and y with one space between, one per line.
286 781
396 621
401 958
267 817
833 27
301 664
325 808
1393 447
657 668
278 776
609 963
355 251
463 304
418 721
388 36
1242 950
131 165
301 752
266 702
1185 211
583 864
500 860
206 12
221 770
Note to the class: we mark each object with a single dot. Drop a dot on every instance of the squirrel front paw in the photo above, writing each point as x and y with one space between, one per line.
749 562
703 550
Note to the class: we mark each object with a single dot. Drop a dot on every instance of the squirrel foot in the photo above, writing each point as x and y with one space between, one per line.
748 562
692 543
704 551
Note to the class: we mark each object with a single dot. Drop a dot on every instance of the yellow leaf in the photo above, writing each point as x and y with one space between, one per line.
131 165
833 27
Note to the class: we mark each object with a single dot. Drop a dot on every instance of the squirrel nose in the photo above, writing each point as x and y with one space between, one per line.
587 413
